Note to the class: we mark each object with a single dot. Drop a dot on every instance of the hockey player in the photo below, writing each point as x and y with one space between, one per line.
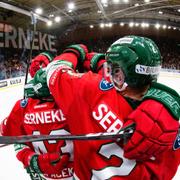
92 104
39 115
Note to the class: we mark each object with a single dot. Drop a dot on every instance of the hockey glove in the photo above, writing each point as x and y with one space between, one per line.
80 50
65 59
155 131
49 163
94 61
40 61
37 87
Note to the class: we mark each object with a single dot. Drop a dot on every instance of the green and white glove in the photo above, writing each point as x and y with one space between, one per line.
94 61
80 50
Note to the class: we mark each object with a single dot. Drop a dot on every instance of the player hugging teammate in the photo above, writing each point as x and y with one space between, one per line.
129 93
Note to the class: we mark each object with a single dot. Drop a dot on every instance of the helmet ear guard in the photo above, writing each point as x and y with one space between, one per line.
138 57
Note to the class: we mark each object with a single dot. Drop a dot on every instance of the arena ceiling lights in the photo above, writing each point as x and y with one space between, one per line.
76 13
132 24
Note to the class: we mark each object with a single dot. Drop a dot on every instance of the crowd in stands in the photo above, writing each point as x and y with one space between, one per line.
171 55
12 67
170 51
15 65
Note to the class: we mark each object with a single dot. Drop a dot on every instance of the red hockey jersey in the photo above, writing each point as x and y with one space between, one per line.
92 105
33 117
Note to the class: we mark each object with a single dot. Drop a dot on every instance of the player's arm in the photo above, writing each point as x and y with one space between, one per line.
64 83
12 125
48 163
61 77
157 124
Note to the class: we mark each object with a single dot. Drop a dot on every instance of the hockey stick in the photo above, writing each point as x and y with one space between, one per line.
124 134
31 39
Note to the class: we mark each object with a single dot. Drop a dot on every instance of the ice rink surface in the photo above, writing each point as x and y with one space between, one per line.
10 168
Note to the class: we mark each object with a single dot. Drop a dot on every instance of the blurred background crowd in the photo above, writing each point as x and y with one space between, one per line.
13 64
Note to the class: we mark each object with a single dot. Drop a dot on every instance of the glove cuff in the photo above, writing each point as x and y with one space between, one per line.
165 95
34 164
94 61
77 50
48 55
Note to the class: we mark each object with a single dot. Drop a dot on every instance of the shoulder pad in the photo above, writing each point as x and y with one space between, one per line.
23 102
167 96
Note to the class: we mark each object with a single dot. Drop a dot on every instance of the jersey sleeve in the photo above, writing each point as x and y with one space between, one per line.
67 87
12 125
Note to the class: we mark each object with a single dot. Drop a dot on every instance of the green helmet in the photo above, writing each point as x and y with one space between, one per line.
138 57
37 91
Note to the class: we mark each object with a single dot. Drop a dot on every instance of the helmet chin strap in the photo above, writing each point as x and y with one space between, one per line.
122 88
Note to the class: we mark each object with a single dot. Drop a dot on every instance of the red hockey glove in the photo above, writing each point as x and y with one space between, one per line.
42 60
155 131
24 154
49 163
73 56
94 61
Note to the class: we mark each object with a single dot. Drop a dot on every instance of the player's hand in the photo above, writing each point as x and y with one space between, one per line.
155 131
73 56
80 50
40 61
38 87
49 163
94 61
